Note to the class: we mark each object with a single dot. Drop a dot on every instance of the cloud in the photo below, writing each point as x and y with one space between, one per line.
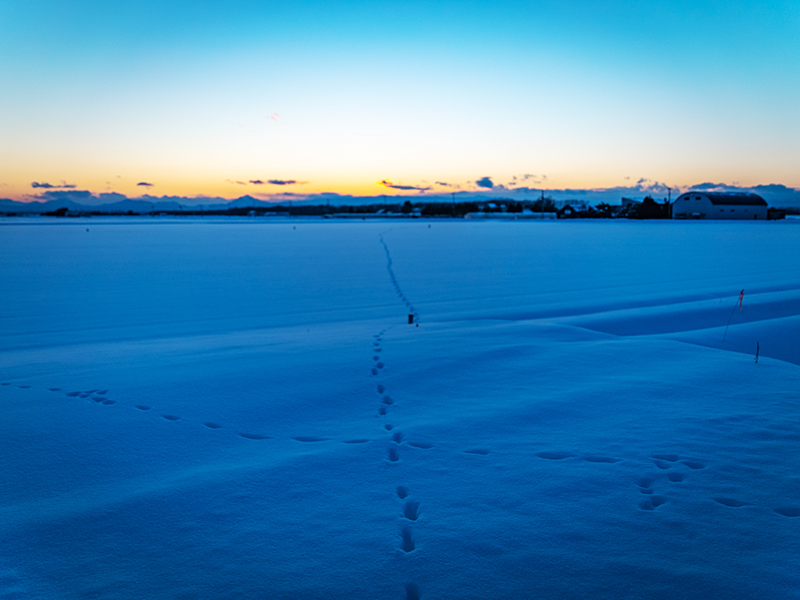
450 185
145 184
79 196
48 186
484 182
395 186
518 180
276 182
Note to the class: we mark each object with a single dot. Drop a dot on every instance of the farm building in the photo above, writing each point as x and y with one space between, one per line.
715 205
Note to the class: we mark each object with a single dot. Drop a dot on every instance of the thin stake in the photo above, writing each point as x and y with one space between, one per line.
738 301
756 351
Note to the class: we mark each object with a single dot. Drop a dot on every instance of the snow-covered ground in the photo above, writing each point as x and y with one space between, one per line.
240 409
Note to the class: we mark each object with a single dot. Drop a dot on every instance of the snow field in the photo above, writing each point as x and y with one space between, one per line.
559 425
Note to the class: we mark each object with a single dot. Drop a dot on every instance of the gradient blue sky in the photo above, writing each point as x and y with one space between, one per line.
193 97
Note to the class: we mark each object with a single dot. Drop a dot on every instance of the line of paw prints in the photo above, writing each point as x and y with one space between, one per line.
100 397
677 473
410 511
677 468
412 311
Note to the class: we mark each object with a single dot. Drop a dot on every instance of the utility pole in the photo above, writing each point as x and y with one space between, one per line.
541 206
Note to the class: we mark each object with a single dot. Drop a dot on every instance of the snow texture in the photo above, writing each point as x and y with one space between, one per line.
241 409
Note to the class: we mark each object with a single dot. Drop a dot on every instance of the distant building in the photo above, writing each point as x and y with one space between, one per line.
630 203
714 205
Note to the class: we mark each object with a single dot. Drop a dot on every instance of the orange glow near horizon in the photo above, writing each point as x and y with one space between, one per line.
195 185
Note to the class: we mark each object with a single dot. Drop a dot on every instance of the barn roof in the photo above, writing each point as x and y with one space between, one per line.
733 199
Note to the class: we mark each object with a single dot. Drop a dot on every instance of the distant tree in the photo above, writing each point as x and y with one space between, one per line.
650 209
59 212
543 205
407 207
604 210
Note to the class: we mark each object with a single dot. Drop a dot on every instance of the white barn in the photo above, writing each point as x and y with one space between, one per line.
714 205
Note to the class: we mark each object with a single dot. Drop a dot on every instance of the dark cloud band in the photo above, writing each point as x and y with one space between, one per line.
50 186
394 186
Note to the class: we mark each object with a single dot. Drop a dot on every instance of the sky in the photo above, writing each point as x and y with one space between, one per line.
207 98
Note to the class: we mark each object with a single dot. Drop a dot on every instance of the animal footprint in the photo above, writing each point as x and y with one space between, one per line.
402 492
554 455
397 437
358 441
601 459
381 410
211 425
254 436
394 454
732 502
788 511
142 407
387 400
693 464
406 540
662 464
646 485
412 589
652 502
305 438
677 477
411 510
380 388
170 417
423 445
481 451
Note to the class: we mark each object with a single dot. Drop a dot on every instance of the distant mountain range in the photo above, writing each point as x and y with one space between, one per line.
123 206
777 195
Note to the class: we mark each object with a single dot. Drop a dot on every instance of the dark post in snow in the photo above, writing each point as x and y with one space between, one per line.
739 302
756 351
541 206
411 318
